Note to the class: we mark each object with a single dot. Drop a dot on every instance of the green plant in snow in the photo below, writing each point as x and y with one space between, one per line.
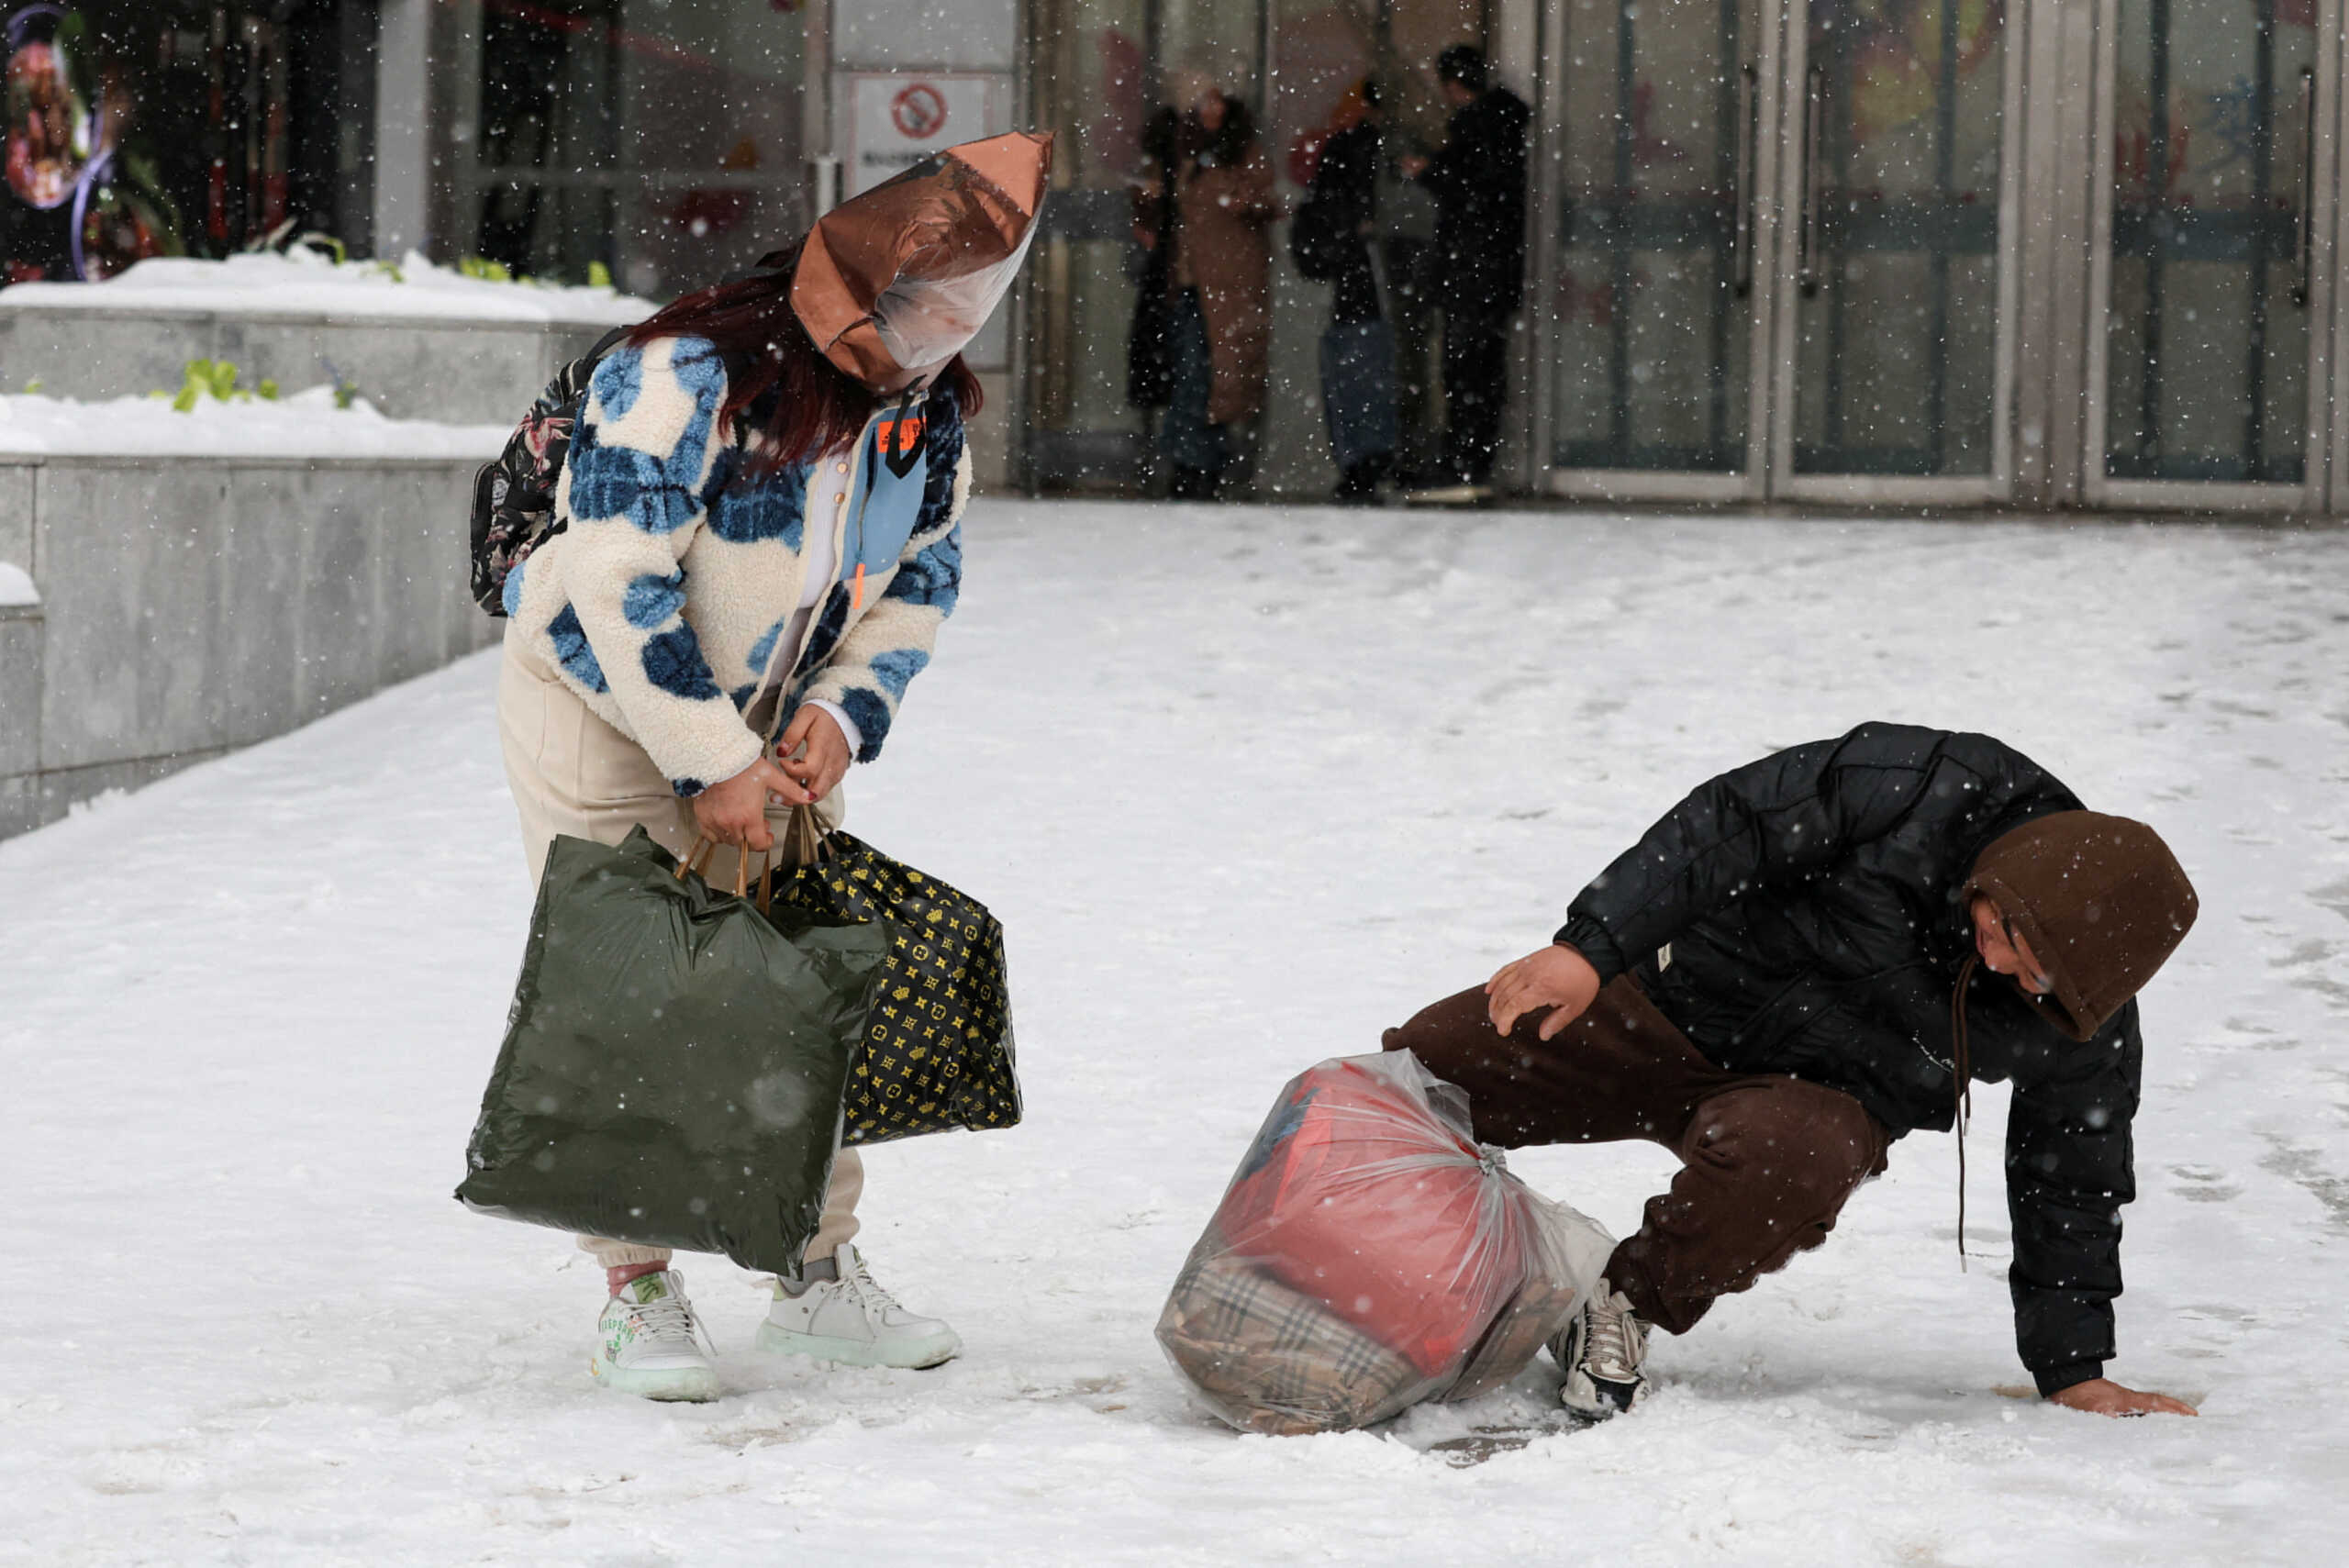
484 268
599 276
218 379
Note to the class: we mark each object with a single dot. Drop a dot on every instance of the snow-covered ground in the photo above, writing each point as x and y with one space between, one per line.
1246 787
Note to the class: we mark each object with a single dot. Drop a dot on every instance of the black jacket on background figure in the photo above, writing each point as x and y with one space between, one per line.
1327 240
1805 914
1479 182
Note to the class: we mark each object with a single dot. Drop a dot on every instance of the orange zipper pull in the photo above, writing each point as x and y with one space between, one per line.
856 599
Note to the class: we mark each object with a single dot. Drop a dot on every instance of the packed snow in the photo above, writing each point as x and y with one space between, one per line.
17 589
303 281
1246 786
305 424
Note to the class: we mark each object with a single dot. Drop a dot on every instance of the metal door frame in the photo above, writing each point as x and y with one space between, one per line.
2329 215
2326 438
1998 484
1761 200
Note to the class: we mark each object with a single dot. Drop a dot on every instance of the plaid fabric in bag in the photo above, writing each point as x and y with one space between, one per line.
1269 1359
937 1051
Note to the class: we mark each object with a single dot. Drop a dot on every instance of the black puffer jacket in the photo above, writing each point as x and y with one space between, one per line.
1479 181
1811 905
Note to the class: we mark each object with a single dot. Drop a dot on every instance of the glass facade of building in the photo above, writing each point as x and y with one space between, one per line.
2037 253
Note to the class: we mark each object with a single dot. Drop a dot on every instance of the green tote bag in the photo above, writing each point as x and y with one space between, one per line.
673 1062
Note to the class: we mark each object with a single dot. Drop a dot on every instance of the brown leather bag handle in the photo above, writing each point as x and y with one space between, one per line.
704 846
802 840
696 855
804 837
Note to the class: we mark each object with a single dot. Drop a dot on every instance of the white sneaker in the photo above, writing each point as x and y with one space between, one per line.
848 1318
652 1345
1604 1350
1466 492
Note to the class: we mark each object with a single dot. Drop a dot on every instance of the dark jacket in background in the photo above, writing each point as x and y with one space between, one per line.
1150 369
1479 182
1325 237
1813 908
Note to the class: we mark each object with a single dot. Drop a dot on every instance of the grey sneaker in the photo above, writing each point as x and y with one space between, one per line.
845 1316
1604 1350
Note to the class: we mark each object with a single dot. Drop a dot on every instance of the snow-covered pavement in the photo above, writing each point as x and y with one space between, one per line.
1246 786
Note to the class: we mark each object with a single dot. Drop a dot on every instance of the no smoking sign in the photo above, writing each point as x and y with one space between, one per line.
897 119
918 112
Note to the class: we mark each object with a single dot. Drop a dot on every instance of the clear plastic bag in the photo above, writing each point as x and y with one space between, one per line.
1368 1255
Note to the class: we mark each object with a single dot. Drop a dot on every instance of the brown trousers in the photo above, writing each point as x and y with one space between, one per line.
1766 1159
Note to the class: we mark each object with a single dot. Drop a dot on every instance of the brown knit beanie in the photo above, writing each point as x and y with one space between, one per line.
2101 902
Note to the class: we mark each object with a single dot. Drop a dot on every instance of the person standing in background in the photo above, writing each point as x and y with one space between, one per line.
1334 240
1220 279
1150 377
1478 179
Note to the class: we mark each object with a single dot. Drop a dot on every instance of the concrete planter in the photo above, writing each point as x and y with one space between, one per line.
456 370
190 605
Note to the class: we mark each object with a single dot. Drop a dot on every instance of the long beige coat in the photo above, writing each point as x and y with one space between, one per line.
1223 247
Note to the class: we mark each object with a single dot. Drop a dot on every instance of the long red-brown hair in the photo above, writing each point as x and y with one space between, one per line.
750 322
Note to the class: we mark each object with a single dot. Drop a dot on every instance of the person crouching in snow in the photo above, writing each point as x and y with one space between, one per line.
760 502
1806 959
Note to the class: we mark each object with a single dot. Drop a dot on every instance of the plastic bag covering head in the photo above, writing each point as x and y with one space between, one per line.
894 284
673 1062
1368 1255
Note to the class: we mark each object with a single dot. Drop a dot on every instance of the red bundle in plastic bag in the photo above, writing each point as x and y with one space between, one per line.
1369 1254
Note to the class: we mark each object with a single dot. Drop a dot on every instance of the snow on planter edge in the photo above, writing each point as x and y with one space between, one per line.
306 284
305 424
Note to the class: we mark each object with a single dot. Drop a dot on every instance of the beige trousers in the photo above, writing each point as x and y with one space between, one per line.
572 773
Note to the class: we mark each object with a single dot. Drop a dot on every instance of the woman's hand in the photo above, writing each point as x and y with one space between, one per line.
2102 1396
1557 978
814 752
735 812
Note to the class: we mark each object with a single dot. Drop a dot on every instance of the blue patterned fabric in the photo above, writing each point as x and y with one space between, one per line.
658 490
774 509
652 600
572 652
664 599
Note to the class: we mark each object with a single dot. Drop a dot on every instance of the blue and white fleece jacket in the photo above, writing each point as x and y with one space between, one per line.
664 600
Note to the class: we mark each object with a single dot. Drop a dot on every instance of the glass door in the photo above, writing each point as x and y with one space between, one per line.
1894 342
1780 259
1653 266
2213 268
1091 84
1097 72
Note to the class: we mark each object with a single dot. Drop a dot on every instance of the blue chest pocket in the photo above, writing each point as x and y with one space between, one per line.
883 514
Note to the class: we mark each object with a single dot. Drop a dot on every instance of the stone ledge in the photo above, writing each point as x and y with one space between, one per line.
235 461
192 606
446 369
